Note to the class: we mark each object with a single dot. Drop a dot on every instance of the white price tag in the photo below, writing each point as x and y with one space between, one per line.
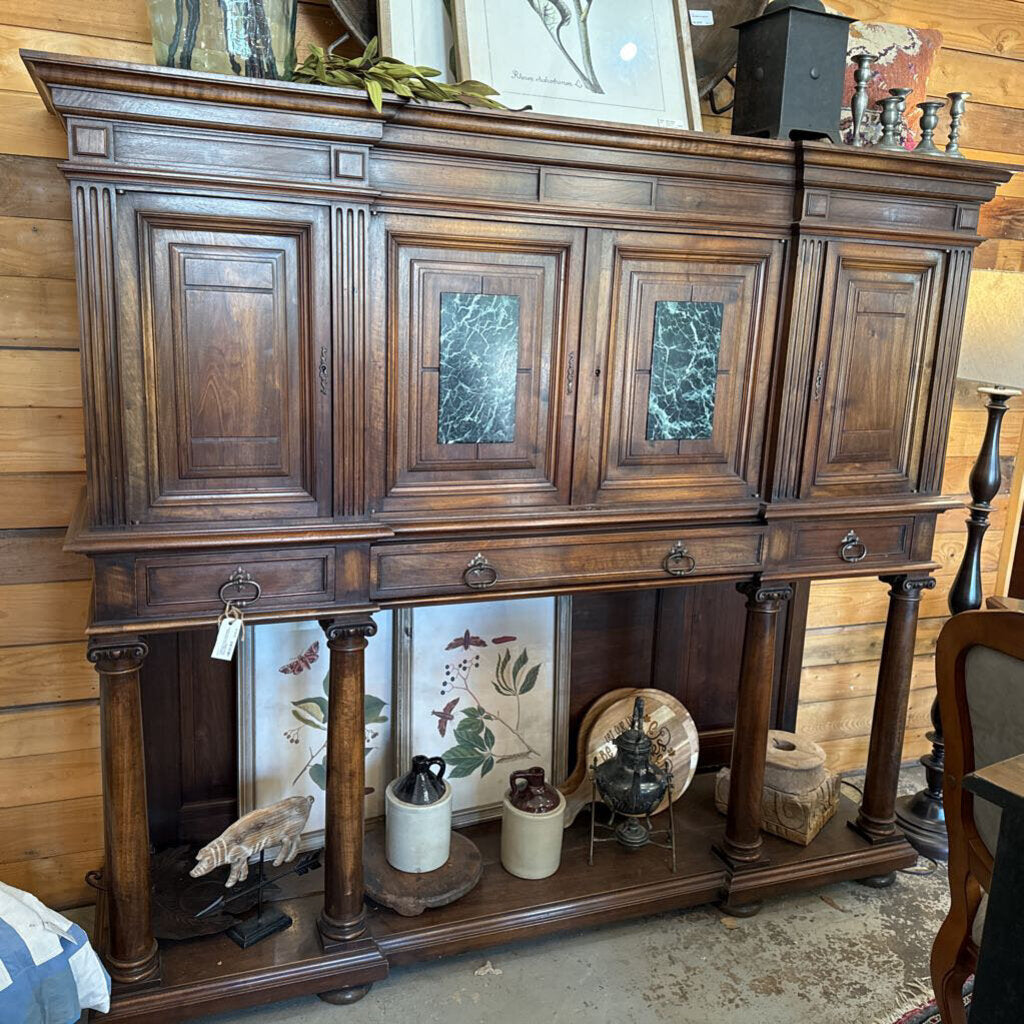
701 18
227 637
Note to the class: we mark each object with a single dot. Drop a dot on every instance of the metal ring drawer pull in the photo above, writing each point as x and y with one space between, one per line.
852 548
234 591
479 574
679 561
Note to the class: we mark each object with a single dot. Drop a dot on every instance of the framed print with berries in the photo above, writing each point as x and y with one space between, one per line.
282 718
485 686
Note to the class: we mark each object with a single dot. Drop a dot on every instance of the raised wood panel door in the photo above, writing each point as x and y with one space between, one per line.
226 354
674 387
872 370
482 333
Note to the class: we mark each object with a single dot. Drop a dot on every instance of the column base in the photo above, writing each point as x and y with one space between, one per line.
345 996
749 909
130 976
737 864
872 834
339 935
923 821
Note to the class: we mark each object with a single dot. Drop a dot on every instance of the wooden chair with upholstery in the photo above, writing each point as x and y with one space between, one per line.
979 664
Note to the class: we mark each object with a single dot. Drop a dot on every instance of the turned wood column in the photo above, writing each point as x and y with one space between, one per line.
876 819
130 952
343 917
742 843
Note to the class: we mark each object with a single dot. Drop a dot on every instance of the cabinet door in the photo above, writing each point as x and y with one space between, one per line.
872 370
674 389
482 322
225 346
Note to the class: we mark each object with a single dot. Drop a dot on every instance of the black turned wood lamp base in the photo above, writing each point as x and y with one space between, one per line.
924 823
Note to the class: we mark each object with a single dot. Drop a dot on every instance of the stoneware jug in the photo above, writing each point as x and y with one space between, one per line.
532 816
420 785
418 836
529 792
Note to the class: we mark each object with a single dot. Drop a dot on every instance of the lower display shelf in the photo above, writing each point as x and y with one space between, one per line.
205 975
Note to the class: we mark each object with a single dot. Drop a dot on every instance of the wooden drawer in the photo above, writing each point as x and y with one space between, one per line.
411 570
835 544
184 584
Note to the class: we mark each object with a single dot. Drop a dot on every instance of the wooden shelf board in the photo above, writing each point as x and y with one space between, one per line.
204 975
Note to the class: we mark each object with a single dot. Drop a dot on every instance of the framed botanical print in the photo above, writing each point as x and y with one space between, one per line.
484 685
418 32
282 718
629 62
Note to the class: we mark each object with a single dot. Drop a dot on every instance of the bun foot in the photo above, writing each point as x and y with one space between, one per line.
878 881
748 909
345 996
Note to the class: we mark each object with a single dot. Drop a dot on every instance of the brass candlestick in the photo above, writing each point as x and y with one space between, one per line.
957 104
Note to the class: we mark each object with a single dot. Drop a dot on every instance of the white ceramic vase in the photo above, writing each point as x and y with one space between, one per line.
418 836
531 844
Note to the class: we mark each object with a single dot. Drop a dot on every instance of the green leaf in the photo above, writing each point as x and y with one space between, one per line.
458 753
315 707
487 766
519 665
306 720
488 739
376 94
531 680
371 49
463 769
473 712
477 88
327 685
318 774
372 708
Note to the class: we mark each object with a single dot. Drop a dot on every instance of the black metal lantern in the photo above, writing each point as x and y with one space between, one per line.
790 69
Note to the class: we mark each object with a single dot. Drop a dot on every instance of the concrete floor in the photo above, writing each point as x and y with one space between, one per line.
839 955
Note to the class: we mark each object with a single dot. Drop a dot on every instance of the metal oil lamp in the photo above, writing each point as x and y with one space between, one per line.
632 785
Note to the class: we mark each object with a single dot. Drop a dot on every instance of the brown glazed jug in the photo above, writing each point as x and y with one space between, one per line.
420 785
529 792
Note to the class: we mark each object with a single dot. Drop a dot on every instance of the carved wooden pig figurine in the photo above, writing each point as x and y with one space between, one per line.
282 823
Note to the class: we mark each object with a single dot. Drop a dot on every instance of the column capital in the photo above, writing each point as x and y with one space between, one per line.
758 592
117 653
907 585
348 634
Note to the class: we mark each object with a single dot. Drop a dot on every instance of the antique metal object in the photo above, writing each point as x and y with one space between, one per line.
420 785
859 101
632 785
929 122
479 573
957 103
679 561
890 118
240 589
789 72
852 548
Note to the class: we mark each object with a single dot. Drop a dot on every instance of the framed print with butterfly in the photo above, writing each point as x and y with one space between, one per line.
485 685
282 714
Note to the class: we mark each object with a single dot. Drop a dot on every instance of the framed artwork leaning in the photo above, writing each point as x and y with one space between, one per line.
419 32
485 685
601 59
282 715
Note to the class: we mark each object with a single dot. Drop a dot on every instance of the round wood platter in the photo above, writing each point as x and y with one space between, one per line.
408 894
668 723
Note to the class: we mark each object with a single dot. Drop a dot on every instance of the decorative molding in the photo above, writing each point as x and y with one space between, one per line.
348 634
108 652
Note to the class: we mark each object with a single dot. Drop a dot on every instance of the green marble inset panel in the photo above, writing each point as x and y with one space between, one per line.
478 369
684 370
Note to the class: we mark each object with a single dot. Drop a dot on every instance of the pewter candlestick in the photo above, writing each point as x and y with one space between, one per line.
957 103
929 121
890 116
859 101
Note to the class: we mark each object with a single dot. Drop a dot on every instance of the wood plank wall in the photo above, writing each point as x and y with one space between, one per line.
50 804
50 808
982 51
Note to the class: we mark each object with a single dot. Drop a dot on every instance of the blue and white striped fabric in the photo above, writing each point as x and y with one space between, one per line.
49 973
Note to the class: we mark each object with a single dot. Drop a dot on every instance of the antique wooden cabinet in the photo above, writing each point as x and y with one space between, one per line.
336 361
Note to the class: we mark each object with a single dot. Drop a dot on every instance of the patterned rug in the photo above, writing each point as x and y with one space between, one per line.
928 1014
